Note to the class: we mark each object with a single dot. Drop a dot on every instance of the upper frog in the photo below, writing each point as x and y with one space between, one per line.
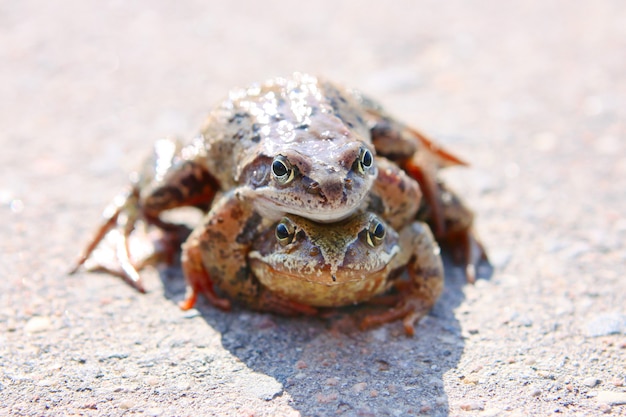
300 144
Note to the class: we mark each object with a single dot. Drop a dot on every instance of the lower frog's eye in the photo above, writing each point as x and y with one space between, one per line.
365 161
375 233
282 170
285 232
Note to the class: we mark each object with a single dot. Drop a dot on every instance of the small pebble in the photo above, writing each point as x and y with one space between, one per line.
152 381
126 404
591 382
472 406
535 392
183 385
190 314
38 324
154 412
326 398
332 381
359 387
611 397
45 383
606 324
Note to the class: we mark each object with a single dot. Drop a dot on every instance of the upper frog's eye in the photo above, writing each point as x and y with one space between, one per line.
375 233
285 232
282 170
365 161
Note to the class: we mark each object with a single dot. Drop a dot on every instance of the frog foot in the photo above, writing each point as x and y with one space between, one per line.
466 251
267 301
409 310
121 217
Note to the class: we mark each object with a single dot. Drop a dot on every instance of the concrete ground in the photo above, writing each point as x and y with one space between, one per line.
533 93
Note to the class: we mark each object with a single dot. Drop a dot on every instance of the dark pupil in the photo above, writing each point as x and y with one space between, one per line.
279 169
379 231
282 232
367 159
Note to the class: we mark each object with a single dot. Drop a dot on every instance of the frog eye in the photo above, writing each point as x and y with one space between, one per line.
282 170
285 232
375 233
365 161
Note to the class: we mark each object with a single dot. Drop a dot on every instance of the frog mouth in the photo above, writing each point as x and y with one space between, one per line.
272 207
314 271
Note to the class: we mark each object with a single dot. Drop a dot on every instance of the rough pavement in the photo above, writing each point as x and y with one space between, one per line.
533 93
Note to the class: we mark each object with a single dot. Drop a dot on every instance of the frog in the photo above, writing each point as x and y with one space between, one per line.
296 145
299 266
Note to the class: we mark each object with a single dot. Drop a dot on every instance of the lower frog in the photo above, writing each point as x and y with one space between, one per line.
297 266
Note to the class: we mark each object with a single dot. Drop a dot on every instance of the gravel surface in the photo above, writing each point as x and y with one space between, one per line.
533 93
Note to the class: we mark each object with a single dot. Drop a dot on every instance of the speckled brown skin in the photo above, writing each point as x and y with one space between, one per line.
216 253
322 136
316 127
458 236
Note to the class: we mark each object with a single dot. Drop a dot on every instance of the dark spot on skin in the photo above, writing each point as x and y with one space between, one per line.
310 186
256 138
249 230
349 124
242 275
303 126
376 205
239 135
238 117
164 197
197 182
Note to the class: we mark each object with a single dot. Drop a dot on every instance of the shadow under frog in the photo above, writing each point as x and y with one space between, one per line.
329 367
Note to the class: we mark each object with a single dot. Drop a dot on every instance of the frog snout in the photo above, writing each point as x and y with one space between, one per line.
332 190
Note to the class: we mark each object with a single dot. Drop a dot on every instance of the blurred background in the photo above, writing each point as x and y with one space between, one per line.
531 93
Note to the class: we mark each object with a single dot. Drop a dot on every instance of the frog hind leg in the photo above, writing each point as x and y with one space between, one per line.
420 255
413 151
459 238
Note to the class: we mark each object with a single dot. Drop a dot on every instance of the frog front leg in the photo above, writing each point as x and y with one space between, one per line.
216 257
172 177
420 255
395 196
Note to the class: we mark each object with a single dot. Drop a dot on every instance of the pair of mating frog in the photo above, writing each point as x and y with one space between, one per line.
314 198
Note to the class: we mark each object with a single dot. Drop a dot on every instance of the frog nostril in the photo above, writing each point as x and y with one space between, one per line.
312 187
334 190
